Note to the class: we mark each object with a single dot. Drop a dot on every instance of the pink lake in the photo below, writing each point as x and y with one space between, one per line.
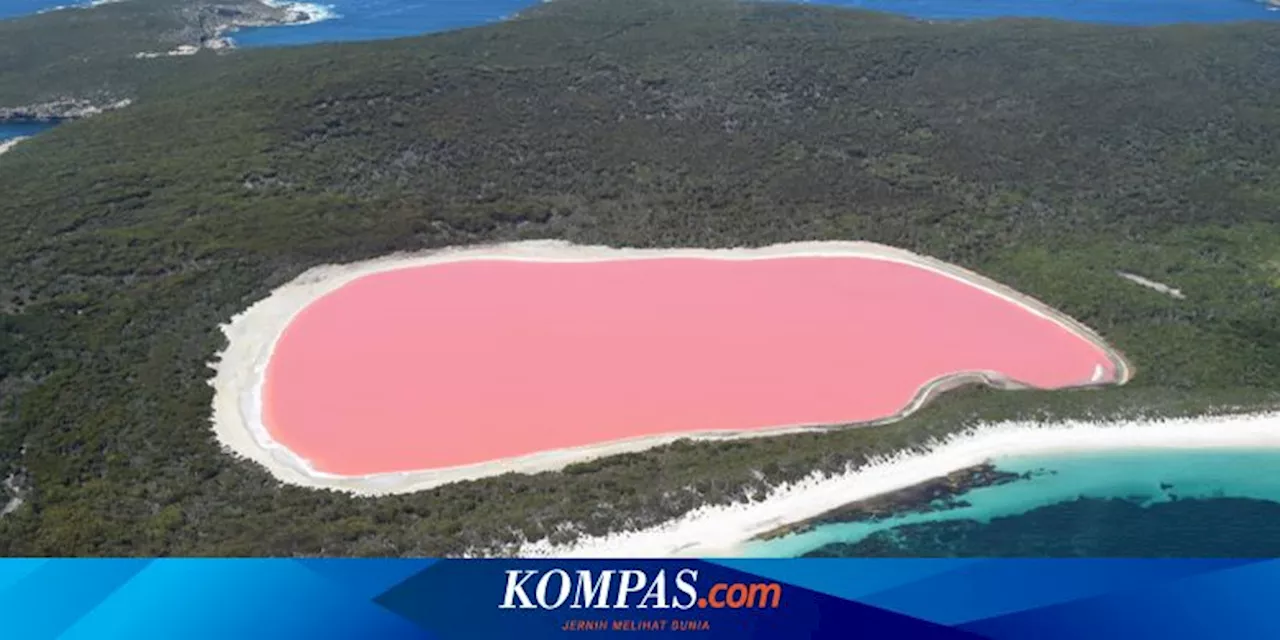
474 361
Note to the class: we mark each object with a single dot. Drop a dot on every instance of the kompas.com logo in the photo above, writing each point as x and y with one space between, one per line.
631 588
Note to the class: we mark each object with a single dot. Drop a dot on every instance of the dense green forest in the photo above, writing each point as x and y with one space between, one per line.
1046 155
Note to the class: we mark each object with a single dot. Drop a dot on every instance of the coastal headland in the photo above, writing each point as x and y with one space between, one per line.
107 51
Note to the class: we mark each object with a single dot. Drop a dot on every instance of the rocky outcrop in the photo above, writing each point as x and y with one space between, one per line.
202 24
211 22
13 492
62 109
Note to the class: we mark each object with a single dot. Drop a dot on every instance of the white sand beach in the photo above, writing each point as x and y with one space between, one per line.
239 370
11 143
721 530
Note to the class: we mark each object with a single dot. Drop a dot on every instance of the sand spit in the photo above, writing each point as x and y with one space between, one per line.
721 530
251 335
11 143
1152 284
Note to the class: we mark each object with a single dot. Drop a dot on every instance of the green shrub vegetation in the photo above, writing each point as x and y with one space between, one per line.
1046 155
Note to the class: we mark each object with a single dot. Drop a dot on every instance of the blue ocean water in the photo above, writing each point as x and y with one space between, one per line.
1175 503
378 19
375 19
15 8
12 130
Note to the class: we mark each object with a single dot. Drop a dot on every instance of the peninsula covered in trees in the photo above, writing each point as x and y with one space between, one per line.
1049 156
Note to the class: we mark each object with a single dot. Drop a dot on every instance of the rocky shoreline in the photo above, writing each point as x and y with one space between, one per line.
212 22
62 109
933 495
206 25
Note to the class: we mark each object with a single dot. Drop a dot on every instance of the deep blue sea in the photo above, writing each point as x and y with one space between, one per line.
373 19
1177 503
9 131
15 8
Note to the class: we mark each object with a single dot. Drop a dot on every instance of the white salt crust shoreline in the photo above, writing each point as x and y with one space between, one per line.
722 531
251 335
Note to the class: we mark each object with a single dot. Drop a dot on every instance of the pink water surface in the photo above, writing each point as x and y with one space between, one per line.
473 361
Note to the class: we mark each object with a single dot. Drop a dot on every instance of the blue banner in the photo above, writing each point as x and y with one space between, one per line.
465 599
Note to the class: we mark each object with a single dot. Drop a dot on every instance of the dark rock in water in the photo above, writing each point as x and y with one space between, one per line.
933 495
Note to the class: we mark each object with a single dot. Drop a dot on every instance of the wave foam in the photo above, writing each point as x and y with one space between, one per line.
314 12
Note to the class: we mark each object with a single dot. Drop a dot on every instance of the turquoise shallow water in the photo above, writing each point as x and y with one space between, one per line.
1112 503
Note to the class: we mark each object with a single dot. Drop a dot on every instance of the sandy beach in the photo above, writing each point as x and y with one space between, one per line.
720 530
10 143
252 335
